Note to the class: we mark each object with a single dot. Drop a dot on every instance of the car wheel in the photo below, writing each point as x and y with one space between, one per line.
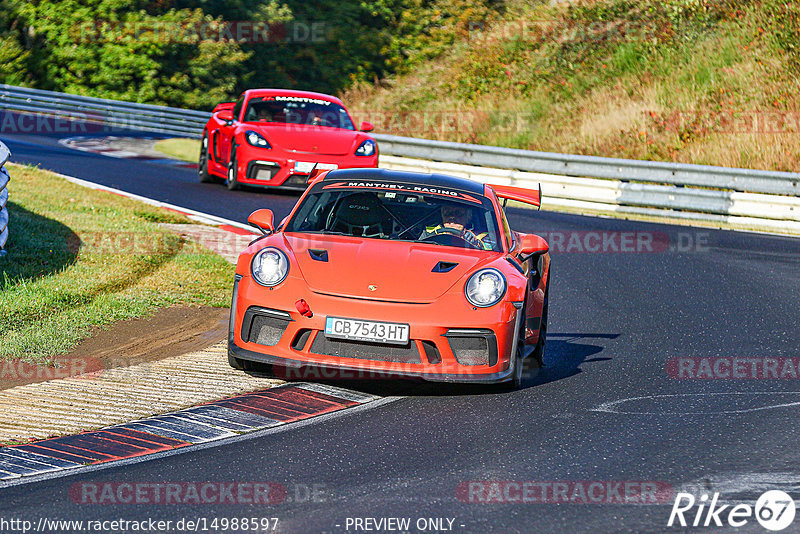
538 353
515 382
236 363
247 365
231 181
202 164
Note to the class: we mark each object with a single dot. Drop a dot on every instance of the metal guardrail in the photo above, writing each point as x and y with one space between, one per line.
753 181
631 186
113 113
754 210
4 179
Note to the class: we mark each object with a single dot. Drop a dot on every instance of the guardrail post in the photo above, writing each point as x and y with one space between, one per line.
5 154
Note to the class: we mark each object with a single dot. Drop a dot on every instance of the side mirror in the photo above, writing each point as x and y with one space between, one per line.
531 244
366 126
262 219
224 105
226 115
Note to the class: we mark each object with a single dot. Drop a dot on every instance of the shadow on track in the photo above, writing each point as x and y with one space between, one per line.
564 355
563 358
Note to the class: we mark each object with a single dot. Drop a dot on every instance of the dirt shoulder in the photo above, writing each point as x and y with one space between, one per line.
167 333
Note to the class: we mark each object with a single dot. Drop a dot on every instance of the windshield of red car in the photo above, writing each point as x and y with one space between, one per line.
297 110
463 221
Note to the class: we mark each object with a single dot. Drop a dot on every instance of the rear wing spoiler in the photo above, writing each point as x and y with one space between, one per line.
520 194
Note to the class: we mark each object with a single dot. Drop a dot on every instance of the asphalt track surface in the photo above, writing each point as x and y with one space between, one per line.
605 408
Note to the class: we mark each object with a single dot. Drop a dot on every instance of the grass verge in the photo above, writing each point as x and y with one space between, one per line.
80 258
178 148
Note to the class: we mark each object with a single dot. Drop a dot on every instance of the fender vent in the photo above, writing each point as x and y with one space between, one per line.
444 267
318 254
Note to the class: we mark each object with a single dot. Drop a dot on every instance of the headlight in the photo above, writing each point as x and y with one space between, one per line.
270 267
367 148
256 139
485 288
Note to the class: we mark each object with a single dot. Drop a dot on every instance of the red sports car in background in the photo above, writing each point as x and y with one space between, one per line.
275 137
394 274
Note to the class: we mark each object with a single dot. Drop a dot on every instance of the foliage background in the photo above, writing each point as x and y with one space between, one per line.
696 81
79 46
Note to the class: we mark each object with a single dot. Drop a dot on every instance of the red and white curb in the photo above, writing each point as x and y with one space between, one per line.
100 145
213 421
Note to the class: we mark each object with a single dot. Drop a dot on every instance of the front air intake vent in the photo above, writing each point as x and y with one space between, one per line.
473 347
264 326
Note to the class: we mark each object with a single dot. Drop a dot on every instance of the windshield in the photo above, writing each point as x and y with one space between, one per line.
459 221
297 110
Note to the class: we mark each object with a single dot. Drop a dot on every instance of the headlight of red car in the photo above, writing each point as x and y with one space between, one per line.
269 267
256 139
485 288
367 148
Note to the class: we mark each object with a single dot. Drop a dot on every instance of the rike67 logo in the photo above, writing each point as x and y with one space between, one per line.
774 510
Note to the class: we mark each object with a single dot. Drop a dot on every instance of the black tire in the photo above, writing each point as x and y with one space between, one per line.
515 382
202 164
236 363
247 365
538 353
232 177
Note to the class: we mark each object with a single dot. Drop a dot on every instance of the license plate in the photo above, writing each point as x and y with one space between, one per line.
373 331
307 166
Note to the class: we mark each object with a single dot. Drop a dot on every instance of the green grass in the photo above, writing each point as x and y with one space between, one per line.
183 149
80 258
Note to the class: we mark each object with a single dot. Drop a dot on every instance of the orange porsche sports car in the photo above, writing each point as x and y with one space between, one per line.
396 274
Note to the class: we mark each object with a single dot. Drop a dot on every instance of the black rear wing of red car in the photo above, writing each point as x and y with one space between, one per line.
520 194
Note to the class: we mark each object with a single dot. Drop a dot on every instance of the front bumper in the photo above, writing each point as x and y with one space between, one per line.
342 372
298 342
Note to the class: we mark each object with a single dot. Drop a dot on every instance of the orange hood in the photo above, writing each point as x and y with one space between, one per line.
396 271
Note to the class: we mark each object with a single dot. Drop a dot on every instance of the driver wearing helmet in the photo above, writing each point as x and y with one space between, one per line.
456 220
